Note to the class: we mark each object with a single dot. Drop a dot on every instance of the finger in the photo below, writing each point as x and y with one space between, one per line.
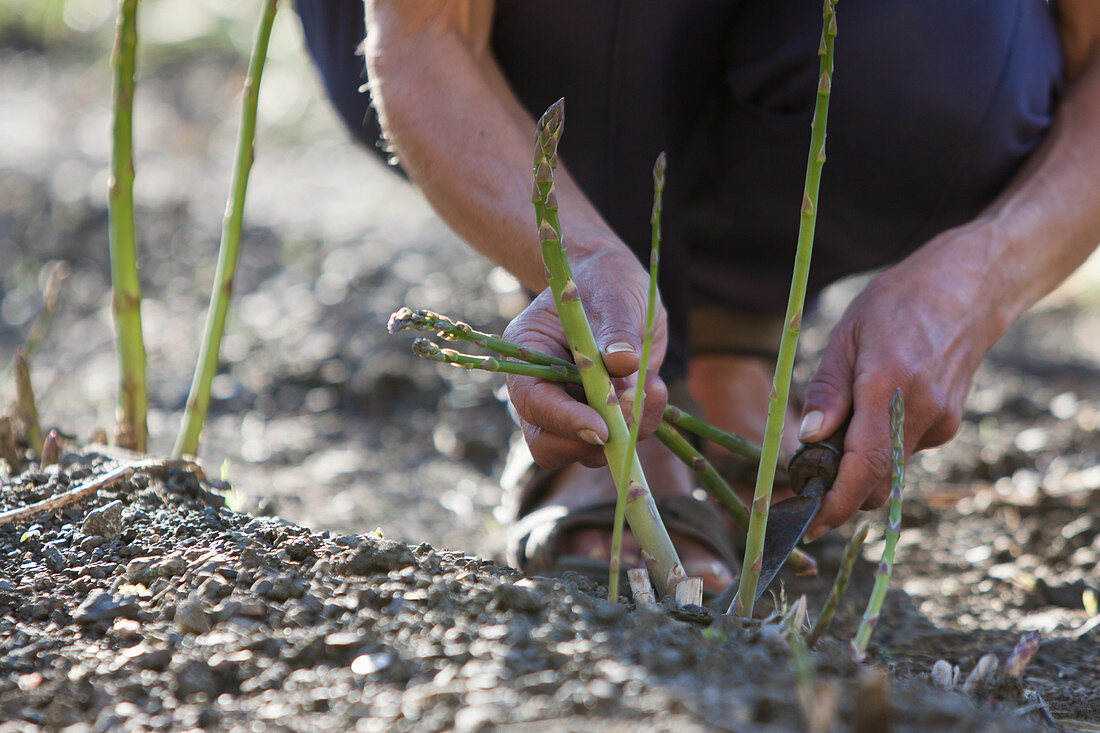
864 475
829 394
553 451
656 397
538 327
554 411
618 318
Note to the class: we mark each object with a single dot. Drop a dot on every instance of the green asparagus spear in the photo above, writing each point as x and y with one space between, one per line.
638 396
641 510
24 399
858 647
198 400
840 585
777 401
126 304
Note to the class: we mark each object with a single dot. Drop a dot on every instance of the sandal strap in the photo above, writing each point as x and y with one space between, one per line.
534 542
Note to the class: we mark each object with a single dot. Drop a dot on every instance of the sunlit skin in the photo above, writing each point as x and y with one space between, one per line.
446 107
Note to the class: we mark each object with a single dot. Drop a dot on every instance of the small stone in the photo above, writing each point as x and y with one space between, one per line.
194 676
105 521
369 560
213 588
370 663
102 606
508 596
145 656
191 618
55 561
169 567
137 570
90 543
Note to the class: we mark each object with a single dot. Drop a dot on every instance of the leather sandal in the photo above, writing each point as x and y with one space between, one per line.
536 535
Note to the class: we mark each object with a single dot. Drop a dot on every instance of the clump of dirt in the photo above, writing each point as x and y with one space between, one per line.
186 614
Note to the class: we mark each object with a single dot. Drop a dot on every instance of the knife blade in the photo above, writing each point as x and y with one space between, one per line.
812 470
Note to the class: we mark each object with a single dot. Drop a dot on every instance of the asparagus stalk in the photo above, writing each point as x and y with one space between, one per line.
801 562
793 620
840 585
640 509
1021 655
777 401
427 349
445 328
708 476
58 272
733 443
126 302
24 399
858 647
198 400
638 397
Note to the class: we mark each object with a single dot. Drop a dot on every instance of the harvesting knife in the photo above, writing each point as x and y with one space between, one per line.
812 469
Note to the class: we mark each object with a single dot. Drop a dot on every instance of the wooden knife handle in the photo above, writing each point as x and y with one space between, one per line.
817 461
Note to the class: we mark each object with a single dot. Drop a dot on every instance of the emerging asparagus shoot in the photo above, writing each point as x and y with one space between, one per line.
126 303
187 443
858 647
840 585
24 399
777 401
639 391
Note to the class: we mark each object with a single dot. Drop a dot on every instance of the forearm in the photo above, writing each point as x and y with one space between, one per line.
465 139
1047 222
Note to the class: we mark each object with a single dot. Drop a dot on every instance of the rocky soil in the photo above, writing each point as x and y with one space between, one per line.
287 610
153 606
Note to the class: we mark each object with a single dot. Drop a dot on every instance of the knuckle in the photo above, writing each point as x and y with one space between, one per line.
825 383
943 430
875 462
877 498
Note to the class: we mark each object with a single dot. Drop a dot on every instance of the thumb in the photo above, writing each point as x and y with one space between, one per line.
829 394
618 333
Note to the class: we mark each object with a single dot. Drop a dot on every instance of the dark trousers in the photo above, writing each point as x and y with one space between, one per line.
935 104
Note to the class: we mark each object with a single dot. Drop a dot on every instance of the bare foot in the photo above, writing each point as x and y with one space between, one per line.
667 476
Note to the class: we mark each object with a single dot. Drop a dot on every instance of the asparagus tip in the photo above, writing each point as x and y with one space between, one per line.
50 449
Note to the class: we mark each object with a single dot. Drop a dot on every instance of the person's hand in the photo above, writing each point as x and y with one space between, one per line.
559 427
921 326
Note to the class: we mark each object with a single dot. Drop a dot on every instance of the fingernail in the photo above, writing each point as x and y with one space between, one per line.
814 534
811 425
588 435
618 347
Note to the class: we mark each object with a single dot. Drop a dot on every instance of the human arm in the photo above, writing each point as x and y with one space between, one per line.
464 138
925 323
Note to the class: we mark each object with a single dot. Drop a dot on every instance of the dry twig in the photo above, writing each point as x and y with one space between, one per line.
122 473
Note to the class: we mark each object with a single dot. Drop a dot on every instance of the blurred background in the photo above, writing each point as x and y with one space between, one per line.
321 416
318 414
